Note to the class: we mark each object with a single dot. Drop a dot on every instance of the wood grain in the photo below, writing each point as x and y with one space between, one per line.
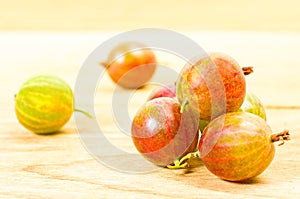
59 166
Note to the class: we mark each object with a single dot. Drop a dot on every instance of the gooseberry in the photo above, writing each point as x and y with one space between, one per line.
130 64
238 146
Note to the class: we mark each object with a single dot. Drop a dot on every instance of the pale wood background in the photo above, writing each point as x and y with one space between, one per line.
55 166
57 36
123 15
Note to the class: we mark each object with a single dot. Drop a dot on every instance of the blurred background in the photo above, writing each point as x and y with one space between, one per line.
56 36
268 15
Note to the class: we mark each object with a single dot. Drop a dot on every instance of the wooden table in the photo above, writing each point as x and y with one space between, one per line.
59 166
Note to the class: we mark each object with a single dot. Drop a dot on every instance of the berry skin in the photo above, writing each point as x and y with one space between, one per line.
161 133
44 104
214 85
131 64
237 146
252 104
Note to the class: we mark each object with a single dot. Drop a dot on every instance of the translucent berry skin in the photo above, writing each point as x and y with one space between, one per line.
163 91
131 64
237 146
44 104
252 104
213 85
161 133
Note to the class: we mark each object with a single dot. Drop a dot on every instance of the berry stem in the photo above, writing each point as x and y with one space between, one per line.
83 112
104 64
177 165
247 70
284 135
183 162
183 105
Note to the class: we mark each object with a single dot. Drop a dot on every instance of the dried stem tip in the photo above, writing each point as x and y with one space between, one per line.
284 135
104 64
247 70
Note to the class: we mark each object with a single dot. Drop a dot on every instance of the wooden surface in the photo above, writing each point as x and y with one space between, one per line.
132 14
59 166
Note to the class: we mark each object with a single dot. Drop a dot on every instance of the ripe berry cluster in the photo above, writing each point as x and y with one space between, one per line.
208 101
